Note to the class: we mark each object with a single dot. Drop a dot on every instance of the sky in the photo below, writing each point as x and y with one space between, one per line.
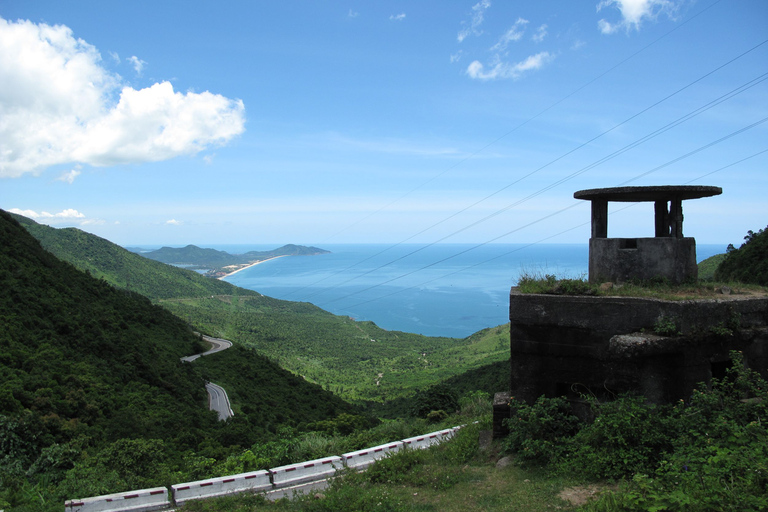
306 122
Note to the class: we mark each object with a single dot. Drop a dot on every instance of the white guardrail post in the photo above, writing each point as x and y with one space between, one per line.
255 481
361 459
134 501
303 472
276 483
427 440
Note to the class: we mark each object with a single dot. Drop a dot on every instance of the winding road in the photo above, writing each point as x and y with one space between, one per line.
217 398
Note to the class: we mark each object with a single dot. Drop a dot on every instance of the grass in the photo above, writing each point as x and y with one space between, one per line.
455 476
550 285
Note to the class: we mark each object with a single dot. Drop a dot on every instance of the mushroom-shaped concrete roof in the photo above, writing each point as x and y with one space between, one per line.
653 193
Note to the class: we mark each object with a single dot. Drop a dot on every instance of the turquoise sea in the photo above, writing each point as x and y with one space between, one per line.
440 290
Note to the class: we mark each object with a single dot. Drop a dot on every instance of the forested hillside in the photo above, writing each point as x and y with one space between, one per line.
124 269
94 398
356 360
748 263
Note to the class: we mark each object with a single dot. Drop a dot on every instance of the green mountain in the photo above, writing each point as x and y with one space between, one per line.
123 269
213 259
356 360
748 263
94 398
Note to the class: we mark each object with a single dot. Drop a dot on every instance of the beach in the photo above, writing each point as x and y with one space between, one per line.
248 265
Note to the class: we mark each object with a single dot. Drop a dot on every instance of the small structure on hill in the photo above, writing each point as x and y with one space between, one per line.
668 255
570 345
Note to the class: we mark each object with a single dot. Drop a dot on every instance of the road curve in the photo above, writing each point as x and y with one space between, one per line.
218 345
218 401
217 398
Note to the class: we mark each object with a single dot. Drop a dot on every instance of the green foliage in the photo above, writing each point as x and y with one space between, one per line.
666 326
123 269
435 398
708 267
539 432
355 360
748 263
710 453
549 284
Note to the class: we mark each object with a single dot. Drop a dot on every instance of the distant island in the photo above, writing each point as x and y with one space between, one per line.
219 264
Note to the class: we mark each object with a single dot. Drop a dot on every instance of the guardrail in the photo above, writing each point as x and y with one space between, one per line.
283 481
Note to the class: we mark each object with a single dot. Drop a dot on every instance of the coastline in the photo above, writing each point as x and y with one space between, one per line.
251 265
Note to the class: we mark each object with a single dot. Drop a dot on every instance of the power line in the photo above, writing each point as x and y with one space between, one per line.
541 240
569 177
690 153
483 148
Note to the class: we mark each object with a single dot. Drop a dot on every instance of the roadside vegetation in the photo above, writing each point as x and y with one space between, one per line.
94 398
705 454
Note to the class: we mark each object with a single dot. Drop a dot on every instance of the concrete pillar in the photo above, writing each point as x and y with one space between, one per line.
661 219
599 218
676 218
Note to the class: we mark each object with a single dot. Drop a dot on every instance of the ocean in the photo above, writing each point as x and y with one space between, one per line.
449 290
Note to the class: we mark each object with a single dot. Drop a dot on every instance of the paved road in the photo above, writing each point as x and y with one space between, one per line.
217 398
218 401
218 345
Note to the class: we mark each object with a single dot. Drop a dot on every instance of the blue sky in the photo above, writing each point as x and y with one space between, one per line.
332 122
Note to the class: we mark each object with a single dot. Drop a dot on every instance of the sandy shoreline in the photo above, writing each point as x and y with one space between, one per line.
251 265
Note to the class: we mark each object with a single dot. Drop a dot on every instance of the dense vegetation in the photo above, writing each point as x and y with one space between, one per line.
94 398
123 269
709 453
748 263
356 360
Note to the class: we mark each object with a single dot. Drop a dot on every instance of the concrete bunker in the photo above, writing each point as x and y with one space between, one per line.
563 345
668 255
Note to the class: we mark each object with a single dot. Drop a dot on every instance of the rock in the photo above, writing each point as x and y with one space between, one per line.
725 290
486 436
607 286
504 462
319 496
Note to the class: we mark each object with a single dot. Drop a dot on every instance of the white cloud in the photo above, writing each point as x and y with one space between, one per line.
456 57
397 17
64 214
69 176
515 33
138 64
540 34
633 12
174 222
59 105
477 71
478 13
115 57
353 14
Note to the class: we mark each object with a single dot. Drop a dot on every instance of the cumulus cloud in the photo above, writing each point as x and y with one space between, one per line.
477 71
138 64
397 17
173 222
59 105
478 14
69 176
633 12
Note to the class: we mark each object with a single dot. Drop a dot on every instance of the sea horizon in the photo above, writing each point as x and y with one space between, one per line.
451 290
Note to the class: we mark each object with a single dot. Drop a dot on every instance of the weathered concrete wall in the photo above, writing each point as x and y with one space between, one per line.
565 345
623 259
